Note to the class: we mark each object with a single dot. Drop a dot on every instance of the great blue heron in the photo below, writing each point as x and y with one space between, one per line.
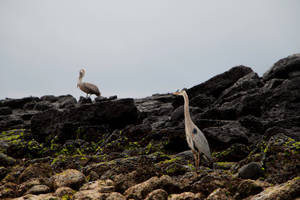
88 88
194 136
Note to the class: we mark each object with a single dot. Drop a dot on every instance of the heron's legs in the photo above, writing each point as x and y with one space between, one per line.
196 156
198 159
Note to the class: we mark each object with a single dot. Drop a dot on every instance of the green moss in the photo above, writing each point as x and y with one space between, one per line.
66 197
224 165
148 148
170 160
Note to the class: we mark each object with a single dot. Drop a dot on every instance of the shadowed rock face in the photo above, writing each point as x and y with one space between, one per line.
64 124
285 68
55 147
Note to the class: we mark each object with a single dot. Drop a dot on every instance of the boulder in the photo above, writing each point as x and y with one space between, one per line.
17 103
38 189
64 124
69 178
64 191
36 170
287 191
140 191
91 194
50 98
216 85
5 110
42 105
29 184
66 101
6 160
249 187
224 136
245 83
252 170
158 194
220 194
187 196
102 186
83 100
288 67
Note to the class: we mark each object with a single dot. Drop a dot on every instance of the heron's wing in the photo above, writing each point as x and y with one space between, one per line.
200 142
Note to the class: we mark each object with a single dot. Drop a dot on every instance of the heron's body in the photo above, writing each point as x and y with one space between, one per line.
88 88
194 136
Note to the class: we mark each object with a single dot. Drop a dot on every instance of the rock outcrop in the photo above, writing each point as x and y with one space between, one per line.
57 148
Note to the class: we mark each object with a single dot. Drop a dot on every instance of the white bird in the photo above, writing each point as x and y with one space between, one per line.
194 136
88 88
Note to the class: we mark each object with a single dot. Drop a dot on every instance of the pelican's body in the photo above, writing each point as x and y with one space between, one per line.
88 88
194 136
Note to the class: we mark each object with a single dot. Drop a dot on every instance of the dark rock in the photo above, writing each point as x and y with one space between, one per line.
42 106
219 194
287 191
36 170
220 113
141 190
84 100
18 103
216 85
66 101
226 135
234 153
114 97
91 133
5 110
29 106
69 178
210 182
178 113
288 67
27 115
253 124
3 172
158 194
50 98
101 99
202 101
176 140
245 83
252 170
283 101
7 190
38 189
11 122
6 160
64 124
247 188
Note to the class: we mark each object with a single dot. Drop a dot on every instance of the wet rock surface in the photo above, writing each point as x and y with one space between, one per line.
54 147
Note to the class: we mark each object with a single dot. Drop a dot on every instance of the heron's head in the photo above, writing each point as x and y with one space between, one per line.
180 93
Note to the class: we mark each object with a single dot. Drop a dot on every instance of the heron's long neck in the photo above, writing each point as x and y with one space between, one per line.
187 115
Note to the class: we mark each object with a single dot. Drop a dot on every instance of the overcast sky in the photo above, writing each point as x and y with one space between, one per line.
135 48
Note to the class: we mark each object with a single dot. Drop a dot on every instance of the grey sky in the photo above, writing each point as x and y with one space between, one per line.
135 48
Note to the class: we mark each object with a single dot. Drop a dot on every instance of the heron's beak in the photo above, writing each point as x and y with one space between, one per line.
176 93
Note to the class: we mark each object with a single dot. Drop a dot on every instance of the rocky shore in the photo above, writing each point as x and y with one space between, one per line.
55 147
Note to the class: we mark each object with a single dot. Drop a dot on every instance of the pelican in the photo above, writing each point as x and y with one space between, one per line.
88 88
194 136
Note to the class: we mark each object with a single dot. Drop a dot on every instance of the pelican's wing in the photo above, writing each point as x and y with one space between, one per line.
90 88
